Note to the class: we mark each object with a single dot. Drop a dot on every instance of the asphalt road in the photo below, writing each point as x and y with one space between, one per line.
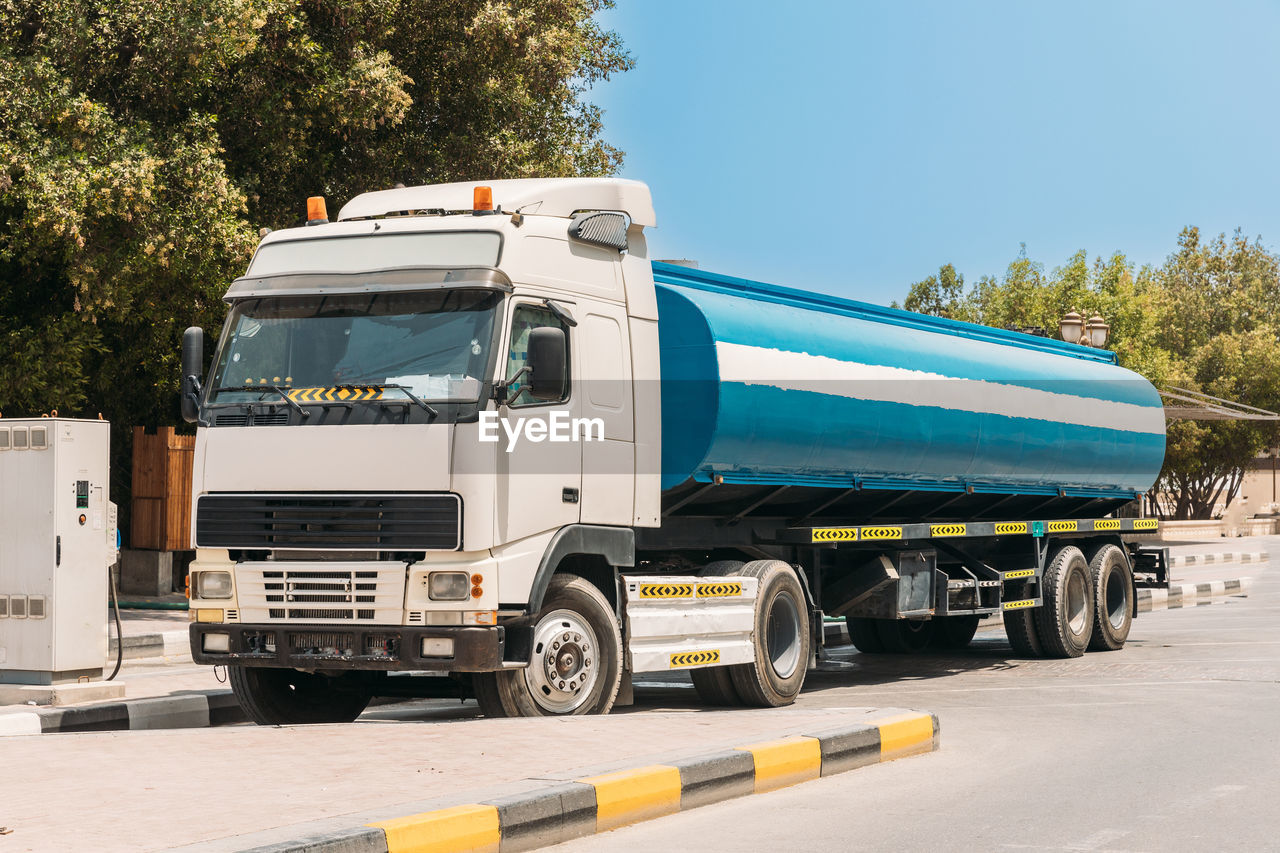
1170 744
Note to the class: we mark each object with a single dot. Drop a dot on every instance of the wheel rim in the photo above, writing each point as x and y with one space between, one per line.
1076 607
565 665
1117 597
782 635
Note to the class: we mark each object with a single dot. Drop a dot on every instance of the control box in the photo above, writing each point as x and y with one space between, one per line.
57 540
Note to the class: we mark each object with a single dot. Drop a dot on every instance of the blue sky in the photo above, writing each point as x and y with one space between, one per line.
853 147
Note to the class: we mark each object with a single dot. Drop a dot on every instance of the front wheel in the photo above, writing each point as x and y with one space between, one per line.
576 663
278 697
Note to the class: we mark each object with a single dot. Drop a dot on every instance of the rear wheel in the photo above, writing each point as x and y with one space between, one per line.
713 683
864 635
781 637
278 697
1065 620
1019 623
1112 599
905 636
954 632
576 664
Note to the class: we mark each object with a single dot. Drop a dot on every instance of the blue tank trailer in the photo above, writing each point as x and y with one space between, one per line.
924 473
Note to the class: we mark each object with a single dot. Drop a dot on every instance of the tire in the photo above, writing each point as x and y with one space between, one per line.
713 683
1019 624
1065 620
577 659
863 635
1112 599
282 697
954 632
485 687
780 637
905 636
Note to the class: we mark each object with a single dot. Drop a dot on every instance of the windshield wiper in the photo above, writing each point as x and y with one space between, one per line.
282 390
408 392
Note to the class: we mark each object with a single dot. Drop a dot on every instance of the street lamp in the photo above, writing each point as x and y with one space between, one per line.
1070 327
1075 330
1097 330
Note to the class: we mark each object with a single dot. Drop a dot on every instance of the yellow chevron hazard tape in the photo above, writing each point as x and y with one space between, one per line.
1107 524
881 532
946 529
703 658
349 394
1014 605
1003 527
666 590
1145 524
719 590
1063 526
1020 573
835 534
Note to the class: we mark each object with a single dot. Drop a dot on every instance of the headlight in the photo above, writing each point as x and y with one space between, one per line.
449 586
218 643
212 584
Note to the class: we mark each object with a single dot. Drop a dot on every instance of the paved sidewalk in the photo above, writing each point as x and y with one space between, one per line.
148 790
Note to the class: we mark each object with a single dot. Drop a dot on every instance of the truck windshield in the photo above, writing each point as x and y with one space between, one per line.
434 344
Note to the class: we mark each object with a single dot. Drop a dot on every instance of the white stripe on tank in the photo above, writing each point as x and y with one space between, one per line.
819 374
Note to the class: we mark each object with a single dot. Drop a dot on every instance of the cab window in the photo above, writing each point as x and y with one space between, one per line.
524 320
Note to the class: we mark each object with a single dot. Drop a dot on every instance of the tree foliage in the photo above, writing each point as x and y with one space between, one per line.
143 144
1207 319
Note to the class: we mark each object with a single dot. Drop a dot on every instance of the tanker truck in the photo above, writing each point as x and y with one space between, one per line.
472 441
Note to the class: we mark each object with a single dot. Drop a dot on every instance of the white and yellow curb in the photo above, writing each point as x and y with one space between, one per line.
565 810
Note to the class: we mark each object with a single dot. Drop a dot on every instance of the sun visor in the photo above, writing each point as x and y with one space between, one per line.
311 283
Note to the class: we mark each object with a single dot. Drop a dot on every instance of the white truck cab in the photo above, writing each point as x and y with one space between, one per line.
380 446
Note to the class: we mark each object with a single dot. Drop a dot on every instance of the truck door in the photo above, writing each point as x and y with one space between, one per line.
539 480
605 397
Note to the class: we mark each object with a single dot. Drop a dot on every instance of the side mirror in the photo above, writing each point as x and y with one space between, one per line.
546 362
192 364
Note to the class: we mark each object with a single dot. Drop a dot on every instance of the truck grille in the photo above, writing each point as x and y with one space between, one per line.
429 522
300 592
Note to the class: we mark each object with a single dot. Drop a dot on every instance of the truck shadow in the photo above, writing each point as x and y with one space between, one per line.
843 667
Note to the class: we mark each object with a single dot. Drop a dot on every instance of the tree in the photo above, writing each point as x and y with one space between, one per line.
1208 320
941 295
143 144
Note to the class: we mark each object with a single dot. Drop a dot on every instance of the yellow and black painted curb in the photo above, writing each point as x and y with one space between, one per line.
567 810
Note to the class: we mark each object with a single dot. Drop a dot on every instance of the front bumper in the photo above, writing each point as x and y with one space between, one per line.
306 646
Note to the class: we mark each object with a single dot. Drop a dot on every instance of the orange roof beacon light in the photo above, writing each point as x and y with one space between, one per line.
316 212
482 199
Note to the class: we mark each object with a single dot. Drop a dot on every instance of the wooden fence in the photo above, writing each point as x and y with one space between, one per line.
161 490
